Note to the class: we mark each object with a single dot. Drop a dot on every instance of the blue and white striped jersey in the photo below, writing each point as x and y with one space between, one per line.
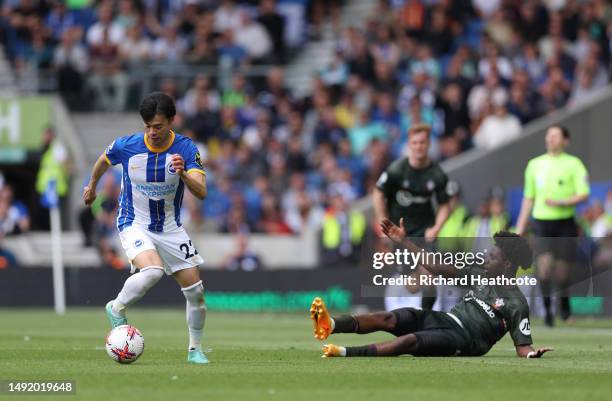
151 191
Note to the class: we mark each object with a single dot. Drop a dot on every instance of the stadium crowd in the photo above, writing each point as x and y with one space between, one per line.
476 71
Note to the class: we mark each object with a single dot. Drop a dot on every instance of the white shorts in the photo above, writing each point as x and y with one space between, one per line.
174 247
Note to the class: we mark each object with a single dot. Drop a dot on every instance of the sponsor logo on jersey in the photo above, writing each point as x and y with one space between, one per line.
198 160
155 190
405 198
525 327
499 302
485 306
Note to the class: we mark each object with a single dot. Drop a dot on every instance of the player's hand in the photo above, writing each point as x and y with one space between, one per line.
395 233
178 164
538 353
553 203
431 234
89 195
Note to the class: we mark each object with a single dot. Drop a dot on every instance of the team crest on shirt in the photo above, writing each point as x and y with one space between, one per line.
406 184
170 169
138 243
431 185
499 302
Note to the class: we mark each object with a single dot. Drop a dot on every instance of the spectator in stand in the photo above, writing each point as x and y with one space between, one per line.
253 38
306 216
60 19
584 88
107 78
169 47
135 49
71 63
127 15
274 24
272 221
227 16
201 85
602 226
439 37
204 121
343 233
456 118
14 217
242 258
105 29
497 128
105 221
481 94
519 104
364 132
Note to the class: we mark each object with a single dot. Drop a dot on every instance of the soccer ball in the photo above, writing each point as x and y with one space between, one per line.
124 344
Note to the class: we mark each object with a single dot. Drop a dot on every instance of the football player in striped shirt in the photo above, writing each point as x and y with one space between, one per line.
157 166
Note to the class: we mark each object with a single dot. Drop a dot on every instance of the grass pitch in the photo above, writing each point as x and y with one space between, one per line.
262 356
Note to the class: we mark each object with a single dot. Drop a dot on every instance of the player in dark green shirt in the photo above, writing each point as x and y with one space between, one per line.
473 326
407 188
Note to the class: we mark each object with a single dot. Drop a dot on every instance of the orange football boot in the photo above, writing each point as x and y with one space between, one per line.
321 319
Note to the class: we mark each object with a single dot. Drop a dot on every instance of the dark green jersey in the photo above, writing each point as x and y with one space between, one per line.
409 193
488 312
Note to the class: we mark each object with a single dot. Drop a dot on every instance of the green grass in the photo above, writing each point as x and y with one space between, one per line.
263 356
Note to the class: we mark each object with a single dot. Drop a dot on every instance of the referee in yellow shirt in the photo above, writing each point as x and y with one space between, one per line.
554 184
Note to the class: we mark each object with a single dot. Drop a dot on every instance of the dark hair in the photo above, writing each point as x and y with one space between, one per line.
564 131
515 249
157 103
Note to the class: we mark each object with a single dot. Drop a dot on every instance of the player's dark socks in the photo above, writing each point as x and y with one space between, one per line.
345 324
549 319
365 350
427 303
565 308
545 288
429 297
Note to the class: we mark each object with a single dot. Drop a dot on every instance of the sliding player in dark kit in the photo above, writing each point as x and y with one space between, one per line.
472 327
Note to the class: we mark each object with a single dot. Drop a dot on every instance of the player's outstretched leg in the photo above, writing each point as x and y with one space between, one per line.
406 344
196 316
134 288
325 325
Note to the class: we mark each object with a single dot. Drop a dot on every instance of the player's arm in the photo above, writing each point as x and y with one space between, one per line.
571 201
443 211
99 168
194 179
380 205
523 219
581 187
379 196
529 193
527 351
398 234
441 216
